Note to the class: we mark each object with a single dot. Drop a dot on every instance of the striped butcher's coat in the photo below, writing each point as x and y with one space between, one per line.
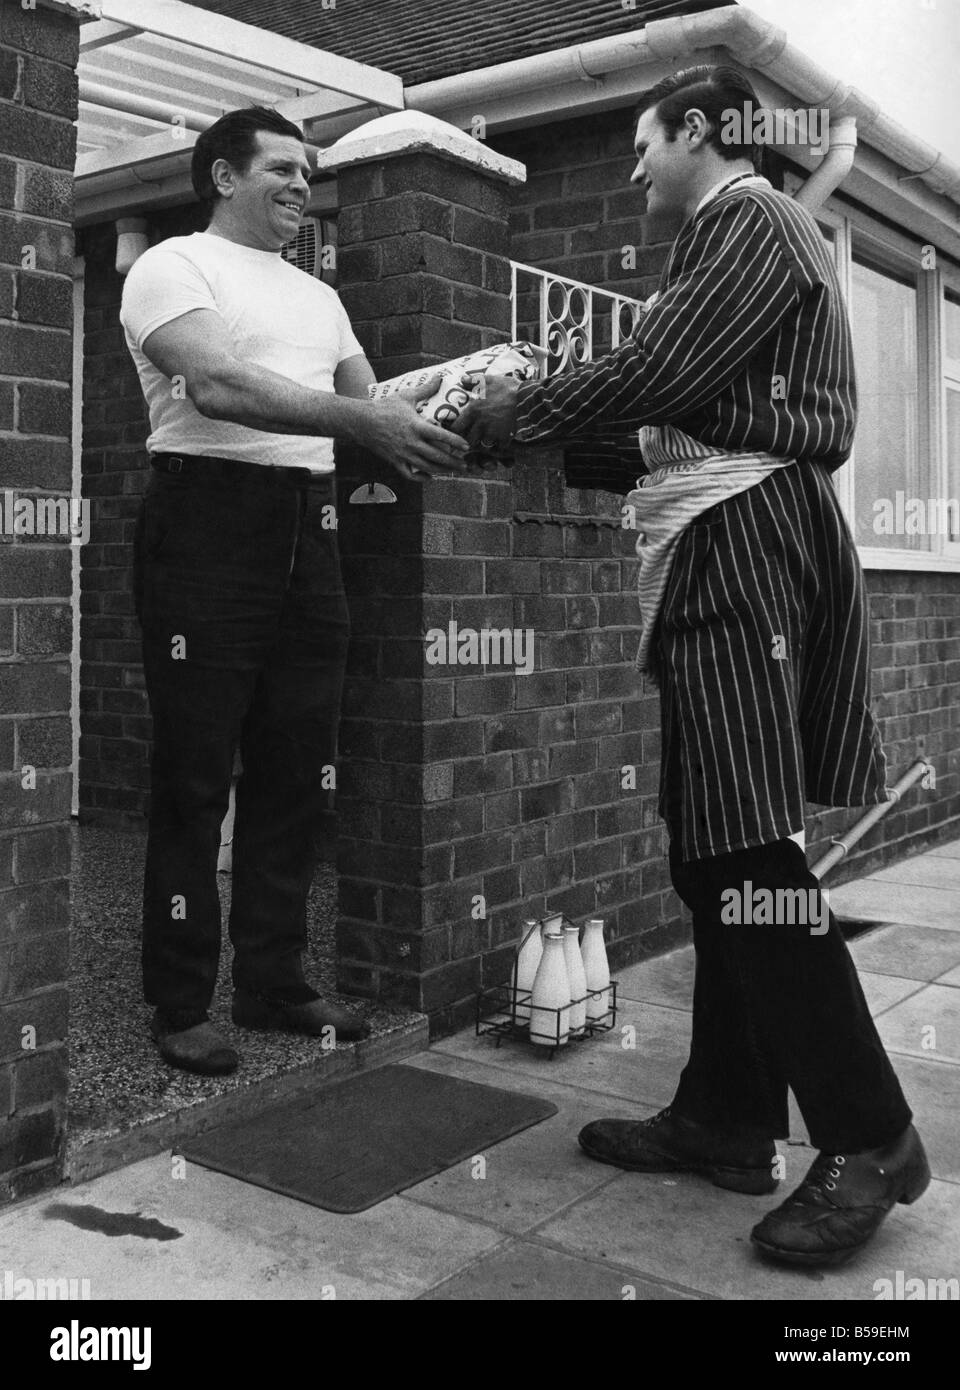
761 649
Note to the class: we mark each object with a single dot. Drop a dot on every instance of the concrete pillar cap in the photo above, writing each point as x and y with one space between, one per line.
408 132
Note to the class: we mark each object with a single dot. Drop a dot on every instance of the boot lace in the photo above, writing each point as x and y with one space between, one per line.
824 1173
660 1116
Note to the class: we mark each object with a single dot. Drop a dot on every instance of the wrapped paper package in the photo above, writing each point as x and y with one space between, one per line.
520 360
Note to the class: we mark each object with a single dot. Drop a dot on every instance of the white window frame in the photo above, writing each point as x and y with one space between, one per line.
950 379
935 374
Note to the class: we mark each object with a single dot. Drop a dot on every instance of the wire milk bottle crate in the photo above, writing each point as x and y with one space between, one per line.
504 1011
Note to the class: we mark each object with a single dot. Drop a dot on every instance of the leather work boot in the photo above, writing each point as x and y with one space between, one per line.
667 1143
252 1010
841 1203
197 1047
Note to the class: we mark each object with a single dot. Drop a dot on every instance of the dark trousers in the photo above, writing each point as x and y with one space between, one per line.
245 631
776 1006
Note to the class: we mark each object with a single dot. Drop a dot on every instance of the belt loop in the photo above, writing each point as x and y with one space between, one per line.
176 464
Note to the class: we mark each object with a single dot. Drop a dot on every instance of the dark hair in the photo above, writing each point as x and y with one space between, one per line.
233 138
717 92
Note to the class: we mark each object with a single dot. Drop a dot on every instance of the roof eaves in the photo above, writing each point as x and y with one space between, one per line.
750 40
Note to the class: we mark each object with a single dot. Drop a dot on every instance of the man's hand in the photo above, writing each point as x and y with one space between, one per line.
489 423
393 430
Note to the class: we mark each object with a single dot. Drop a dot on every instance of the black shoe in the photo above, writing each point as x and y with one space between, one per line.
841 1203
252 1010
667 1143
192 1045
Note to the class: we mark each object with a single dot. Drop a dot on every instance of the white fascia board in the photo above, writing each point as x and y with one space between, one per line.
103 32
560 101
138 158
310 67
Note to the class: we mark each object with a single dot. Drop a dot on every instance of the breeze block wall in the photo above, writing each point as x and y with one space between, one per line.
471 796
38 102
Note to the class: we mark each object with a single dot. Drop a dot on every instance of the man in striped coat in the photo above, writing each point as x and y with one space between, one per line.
740 380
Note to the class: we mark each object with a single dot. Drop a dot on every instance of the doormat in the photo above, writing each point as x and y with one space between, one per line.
358 1142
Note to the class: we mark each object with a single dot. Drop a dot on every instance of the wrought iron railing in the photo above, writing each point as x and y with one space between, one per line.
574 322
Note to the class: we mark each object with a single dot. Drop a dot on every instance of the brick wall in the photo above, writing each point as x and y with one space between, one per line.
577 209
915 661
578 212
38 101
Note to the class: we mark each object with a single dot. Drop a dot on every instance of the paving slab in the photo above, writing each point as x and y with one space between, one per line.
208 1236
666 980
951 850
898 902
531 1175
685 1230
933 1094
917 953
641 1066
922 871
528 1272
669 982
907 1026
883 991
952 977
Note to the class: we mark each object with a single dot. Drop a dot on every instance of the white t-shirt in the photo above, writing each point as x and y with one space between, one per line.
277 316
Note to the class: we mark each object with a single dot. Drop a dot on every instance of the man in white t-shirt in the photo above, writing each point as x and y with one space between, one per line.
250 370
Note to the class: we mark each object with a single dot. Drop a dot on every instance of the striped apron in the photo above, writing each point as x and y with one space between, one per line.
759 643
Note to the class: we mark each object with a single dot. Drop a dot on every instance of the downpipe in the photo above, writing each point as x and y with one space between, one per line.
837 163
842 846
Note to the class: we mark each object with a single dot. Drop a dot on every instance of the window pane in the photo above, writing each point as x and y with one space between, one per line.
951 318
886 458
951 527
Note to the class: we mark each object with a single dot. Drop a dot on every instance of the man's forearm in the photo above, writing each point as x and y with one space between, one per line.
265 400
735 287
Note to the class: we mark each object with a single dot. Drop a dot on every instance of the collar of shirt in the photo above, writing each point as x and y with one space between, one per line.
723 185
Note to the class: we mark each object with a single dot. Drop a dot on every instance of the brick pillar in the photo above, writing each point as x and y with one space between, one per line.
471 797
422 269
38 102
